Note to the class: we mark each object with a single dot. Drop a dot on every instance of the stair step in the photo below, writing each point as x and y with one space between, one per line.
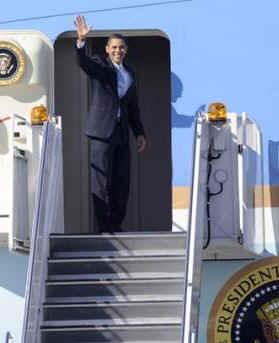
124 265
112 299
120 253
114 341
130 313
144 333
114 288
112 322
118 244
114 276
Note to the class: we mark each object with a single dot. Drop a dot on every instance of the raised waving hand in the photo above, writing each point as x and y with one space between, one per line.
81 27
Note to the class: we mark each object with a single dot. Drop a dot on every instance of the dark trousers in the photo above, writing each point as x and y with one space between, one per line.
110 179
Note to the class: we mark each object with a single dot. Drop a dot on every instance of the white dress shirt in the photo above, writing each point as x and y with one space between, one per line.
80 44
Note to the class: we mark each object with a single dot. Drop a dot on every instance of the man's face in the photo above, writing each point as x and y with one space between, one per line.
117 50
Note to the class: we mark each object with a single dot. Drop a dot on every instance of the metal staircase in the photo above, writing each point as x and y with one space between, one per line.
137 287
140 287
114 288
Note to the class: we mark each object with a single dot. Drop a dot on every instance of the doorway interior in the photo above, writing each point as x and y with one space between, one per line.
150 203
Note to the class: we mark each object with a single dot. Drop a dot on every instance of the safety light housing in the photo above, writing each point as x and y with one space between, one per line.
217 112
39 114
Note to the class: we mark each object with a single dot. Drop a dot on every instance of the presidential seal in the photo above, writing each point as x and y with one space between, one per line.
12 63
247 308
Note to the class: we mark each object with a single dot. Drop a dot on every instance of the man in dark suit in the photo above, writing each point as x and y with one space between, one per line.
113 109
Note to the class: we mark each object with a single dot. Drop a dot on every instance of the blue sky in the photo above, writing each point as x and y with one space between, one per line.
53 26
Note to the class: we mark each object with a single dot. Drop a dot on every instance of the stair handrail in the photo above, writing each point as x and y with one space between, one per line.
194 237
34 235
22 118
9 338
49 200
245 118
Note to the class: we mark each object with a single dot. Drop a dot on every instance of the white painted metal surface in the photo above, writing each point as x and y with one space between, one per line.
236 228
26 158
19 169
223 149
20 143
36 85
6 179
20 227
252 218
271 238
214 215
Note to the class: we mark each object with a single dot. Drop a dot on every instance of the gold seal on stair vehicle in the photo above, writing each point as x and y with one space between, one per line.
12 63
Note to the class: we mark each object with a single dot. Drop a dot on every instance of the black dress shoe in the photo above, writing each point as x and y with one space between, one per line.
107 229
117 228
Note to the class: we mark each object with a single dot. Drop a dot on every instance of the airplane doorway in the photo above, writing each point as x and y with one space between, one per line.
149 206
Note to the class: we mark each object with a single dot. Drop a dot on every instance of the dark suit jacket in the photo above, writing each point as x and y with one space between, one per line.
102 116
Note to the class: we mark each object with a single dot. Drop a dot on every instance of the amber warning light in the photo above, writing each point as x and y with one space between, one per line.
39 114
217 112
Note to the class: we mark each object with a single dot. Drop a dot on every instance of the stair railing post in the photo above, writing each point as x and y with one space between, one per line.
194 238
9 338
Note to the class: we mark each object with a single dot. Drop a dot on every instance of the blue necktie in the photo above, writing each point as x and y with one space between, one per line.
120 82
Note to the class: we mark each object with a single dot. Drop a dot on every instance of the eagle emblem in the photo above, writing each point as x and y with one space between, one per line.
5 64
12 63
268 314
